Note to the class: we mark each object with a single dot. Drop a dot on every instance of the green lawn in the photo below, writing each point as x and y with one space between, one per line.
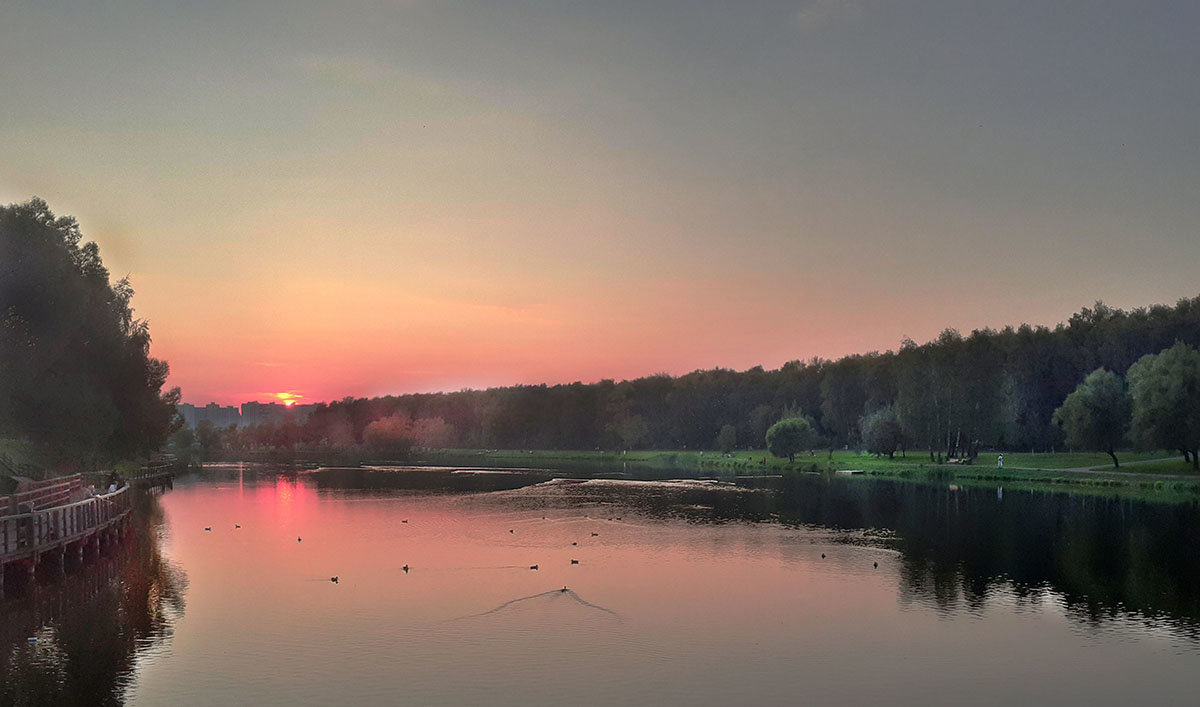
1066 460
751 461
1165 466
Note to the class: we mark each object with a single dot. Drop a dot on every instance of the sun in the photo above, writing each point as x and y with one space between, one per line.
288 398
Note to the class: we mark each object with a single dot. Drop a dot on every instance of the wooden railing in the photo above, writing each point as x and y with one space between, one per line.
43 494
27 534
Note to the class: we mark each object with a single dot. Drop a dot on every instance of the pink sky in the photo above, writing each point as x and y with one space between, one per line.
394 197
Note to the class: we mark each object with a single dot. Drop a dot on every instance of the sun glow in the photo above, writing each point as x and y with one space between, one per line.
288 398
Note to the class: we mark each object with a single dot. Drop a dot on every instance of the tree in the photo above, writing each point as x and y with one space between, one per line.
432 432
1165 388
881 431
391 435
209 437
727 438
843 397
789 436
632 431
1096 415
78 380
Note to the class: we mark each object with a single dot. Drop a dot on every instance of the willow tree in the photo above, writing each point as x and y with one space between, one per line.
1165 388
790 436
1096 415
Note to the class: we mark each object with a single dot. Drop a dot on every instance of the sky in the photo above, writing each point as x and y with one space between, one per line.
383 196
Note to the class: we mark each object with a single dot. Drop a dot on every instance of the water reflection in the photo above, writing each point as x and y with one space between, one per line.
678 585
1103 557
90 626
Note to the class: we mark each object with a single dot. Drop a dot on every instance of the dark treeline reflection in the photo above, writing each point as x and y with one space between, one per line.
90 625
1104 557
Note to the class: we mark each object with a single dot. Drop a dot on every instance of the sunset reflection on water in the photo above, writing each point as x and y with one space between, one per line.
684 592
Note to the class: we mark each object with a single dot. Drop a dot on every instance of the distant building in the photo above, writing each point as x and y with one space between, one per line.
188 412
275 413
252 413
217 415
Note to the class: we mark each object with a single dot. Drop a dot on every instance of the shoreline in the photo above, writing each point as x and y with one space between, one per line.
1143 483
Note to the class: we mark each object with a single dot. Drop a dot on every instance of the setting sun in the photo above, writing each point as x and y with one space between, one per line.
289 398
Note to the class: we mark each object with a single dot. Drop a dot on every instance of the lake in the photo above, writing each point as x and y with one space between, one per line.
812 590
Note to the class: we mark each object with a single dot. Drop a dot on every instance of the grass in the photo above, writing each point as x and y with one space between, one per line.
1163 466
1064 460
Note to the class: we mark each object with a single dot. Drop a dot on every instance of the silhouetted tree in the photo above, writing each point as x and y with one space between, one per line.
78 379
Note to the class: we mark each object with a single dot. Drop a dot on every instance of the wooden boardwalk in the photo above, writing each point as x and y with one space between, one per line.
51 519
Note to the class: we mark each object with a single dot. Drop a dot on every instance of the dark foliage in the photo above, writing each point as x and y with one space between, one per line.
76 377
951 396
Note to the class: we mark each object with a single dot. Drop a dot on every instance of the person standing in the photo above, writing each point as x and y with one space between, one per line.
1000 462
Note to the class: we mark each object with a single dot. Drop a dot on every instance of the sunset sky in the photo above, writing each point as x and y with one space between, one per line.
361 198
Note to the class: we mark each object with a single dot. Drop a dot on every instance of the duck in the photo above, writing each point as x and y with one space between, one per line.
333 579
510 530
208 529
533 567
574 562
404 521
595 535
297 539
574 543
405 568
876 565
822 556
236 526
564 589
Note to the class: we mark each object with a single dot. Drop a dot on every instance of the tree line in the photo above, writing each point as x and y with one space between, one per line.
948 397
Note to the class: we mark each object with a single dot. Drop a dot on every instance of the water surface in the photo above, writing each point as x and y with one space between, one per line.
811 590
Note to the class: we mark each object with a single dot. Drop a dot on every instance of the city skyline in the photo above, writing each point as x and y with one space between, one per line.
247 414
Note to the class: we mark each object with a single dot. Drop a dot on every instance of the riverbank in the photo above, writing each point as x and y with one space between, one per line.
1148 475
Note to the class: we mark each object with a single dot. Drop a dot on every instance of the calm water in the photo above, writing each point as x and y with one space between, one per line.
684 593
